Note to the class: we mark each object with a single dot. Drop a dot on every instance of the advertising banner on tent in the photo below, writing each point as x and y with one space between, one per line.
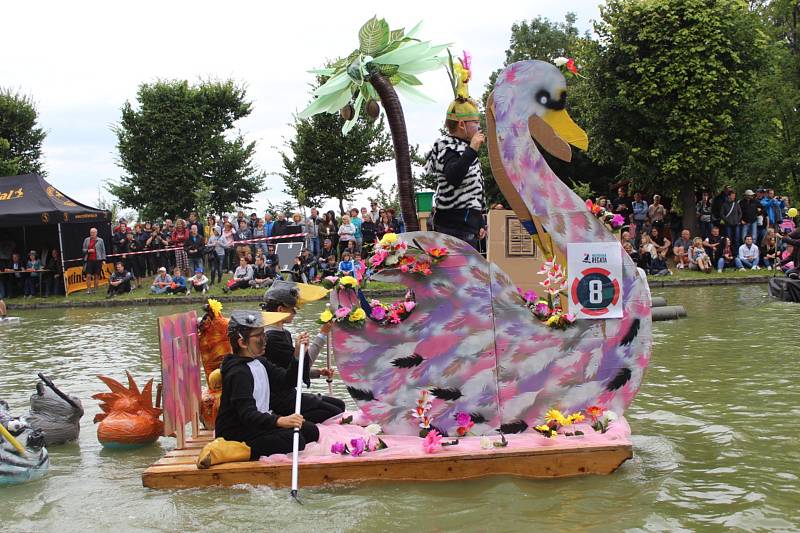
76 280
595 279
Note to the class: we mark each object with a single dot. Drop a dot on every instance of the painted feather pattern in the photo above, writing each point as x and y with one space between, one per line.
470 341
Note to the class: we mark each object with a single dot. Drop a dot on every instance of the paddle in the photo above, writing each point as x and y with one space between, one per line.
60 394
329 377
296 436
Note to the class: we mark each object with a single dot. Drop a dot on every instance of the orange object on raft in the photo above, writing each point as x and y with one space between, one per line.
214 346
128 419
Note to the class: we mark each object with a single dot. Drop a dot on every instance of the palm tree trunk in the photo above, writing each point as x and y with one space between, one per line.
402 154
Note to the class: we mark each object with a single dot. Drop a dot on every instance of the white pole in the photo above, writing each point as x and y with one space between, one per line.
296 441
329 379
63 268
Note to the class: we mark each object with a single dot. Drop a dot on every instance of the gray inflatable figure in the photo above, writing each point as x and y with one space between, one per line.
55 413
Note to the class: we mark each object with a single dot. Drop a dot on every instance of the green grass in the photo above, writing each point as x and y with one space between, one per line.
143 292
679 274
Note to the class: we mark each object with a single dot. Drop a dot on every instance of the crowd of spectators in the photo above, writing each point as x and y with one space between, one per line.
750 233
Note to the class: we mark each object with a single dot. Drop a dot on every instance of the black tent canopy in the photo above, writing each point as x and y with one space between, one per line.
28 200
36 215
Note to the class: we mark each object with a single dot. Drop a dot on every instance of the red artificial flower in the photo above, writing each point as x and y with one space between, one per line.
571 66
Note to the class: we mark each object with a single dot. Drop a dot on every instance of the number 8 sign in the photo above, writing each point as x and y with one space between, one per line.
595 270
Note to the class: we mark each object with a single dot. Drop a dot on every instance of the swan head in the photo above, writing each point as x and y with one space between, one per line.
536 92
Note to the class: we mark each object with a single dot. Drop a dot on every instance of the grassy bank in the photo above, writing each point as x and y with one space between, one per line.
142 296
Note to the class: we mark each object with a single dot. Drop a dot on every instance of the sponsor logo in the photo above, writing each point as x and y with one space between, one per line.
595 259
56 195
12 194
45 218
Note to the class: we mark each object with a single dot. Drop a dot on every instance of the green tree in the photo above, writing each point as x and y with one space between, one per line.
180 153
545 40
20 137
321 162
667 92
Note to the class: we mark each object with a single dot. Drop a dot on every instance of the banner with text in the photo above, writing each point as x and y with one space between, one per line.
595 279
76 280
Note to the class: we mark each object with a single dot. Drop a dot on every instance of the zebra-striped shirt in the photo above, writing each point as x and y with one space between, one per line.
469 193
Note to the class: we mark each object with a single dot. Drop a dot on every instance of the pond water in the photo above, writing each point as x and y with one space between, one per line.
715 440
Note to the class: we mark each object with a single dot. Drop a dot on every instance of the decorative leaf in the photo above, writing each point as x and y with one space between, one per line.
408 53
412 33
354 71
424 65
327 103
389 70
373 36
394 80
631 334
414 94
409 79
334 84
357 104
323 71
408 362
396 35
477 418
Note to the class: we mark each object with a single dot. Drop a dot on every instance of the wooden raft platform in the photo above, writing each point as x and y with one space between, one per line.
177 469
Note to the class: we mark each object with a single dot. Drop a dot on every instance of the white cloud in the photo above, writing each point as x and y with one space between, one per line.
81 61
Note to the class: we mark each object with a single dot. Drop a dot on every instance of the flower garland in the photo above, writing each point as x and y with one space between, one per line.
360 445
393 252
613 221
422 412
393 313
549 310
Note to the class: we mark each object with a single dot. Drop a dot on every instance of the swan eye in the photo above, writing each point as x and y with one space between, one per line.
543 100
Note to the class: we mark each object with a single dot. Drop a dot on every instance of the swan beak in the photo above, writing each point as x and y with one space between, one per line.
565 127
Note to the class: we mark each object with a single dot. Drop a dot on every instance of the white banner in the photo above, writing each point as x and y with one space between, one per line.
595 279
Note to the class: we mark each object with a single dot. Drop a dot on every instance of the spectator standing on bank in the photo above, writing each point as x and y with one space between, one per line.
623 204
260 232
773 208
639 216
178 239
94 254
279 228
229 240
751 208
154 243
328 228
216 255
716 205
243 234
385 226
375 211
32 280
195 246
703 212
356 222
368 234
656 214
54 278
346 232
268 223
134 262
118 237
731 217
312 225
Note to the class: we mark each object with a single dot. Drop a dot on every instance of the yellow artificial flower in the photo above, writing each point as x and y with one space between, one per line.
389 238
574 418
553 320
555 415
326 316
348 281
215 306
547 430
357 315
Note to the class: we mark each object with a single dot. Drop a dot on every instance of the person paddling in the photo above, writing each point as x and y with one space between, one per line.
246 412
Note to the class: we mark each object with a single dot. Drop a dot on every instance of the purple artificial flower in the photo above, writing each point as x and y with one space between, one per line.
342 312
617 221
541 308
463 418
358 445
378 312
338 447
530 296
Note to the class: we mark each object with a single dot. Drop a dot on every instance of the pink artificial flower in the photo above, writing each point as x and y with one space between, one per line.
464 429
394 318
378 258
403 268
338 447
617 220
463 418
358 446
569 317
342 312
541 308
432 441
530 296
378 312
332 279
371 444
409 306
374 303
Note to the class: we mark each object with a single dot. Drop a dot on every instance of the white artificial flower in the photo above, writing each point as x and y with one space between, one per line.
391 259
560 61
374 429
486 443
611 416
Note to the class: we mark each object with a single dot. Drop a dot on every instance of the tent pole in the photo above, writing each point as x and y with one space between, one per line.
24 241
63 268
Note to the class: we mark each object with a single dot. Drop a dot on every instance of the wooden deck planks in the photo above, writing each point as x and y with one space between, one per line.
178 470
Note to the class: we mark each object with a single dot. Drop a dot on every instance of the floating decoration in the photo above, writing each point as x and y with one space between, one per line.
23 456
129 419
55 413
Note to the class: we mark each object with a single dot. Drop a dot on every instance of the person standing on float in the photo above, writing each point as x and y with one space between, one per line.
459 202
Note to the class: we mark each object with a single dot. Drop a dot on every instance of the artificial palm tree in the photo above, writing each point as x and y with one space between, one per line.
386 62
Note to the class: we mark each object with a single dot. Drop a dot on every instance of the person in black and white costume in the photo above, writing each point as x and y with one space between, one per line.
459 202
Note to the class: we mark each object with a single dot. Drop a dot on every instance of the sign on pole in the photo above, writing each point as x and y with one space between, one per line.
595 274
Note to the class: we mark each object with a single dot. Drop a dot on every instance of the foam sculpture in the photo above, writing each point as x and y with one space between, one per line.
57 414
23 456
128 418
471 342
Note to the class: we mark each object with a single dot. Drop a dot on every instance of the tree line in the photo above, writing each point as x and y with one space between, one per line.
677 96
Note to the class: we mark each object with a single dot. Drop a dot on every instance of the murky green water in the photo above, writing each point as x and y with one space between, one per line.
715 441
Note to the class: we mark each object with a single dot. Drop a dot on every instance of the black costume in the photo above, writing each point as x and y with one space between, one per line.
247 416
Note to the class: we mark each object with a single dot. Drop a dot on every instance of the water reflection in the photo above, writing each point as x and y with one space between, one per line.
714 424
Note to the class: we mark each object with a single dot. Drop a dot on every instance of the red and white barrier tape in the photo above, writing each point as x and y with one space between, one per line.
235 243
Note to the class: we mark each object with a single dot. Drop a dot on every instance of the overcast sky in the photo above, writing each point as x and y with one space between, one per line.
80 61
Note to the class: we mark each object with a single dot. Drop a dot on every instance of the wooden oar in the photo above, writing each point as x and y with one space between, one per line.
329 378
296 436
